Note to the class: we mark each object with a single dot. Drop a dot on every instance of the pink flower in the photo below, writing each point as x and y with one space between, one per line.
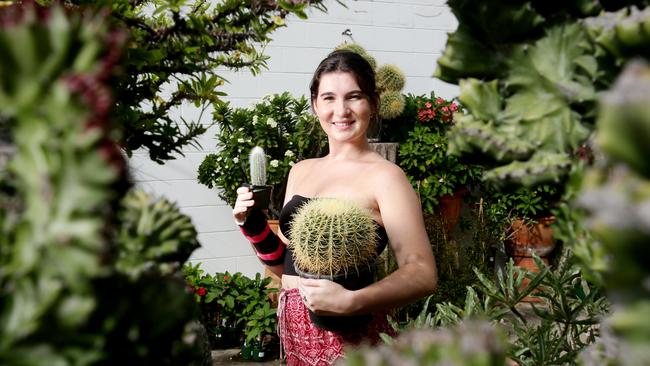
453 107
440 101
428 104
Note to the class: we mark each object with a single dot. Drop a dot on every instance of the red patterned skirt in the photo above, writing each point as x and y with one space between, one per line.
306 344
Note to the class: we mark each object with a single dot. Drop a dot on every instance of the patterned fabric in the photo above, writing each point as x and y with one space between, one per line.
305 344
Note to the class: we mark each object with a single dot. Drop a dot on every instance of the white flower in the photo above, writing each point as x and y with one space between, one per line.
441 179
235 160
274 163
292 163
271 122
241 140
241 128
255 118
288 153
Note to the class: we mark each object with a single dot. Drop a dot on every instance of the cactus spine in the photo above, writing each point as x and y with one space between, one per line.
392 104
390 77
333 236
257 160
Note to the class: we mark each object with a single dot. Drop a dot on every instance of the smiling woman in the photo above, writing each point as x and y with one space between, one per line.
345 99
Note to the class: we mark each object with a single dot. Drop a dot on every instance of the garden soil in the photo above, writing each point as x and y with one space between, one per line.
232 357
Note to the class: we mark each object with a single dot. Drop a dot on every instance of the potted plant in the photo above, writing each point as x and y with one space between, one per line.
335 239
439 179
257 166
260 334
281 125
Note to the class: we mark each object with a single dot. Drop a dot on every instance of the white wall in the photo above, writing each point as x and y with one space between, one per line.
408 33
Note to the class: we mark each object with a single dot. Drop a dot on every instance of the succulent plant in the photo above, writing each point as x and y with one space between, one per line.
64 300
472 343
153 233
390 78
257 160
331 236
391 104
616 195
357 48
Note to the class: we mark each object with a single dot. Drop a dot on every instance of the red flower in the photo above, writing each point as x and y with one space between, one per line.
201 291
440 101
226 277
453 107
428 105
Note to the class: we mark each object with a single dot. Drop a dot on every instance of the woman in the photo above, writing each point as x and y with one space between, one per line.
345 99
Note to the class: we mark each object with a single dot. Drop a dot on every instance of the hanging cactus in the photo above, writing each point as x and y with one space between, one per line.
333 236
390 78
358 49
391 104
257 160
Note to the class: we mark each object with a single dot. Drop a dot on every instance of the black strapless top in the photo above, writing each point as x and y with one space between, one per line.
286 218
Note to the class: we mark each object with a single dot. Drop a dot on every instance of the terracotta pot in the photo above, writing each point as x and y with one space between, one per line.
449 208
524 239
529 264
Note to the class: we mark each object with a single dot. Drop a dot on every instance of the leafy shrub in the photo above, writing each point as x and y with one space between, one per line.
281 125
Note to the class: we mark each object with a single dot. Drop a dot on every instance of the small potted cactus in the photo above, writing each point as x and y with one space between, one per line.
335 239
261 191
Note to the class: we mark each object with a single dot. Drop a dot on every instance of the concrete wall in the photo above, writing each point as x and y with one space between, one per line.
408 33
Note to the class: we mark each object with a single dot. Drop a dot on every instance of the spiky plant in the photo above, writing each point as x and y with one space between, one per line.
358 49
257 160
474 343
331 236
616 194
390 78
63 301
391 104
153 234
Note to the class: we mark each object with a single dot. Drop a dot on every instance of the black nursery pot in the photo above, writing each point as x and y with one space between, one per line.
351 281
261 195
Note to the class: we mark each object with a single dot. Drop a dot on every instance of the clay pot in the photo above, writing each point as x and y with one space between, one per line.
449 208
524 239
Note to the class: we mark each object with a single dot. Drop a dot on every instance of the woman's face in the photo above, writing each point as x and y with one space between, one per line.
342 108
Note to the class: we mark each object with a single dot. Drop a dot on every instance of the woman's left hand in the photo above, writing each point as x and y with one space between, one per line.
325 297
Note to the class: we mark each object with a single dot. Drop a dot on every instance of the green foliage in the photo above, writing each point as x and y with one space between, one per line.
550 333
423 154
333 236
63 299
233 301
281 125
176 49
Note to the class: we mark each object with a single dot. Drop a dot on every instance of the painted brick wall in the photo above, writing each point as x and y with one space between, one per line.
408 33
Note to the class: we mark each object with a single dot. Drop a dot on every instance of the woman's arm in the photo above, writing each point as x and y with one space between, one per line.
416 276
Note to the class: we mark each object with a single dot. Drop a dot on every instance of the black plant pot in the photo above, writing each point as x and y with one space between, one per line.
261 195
351 281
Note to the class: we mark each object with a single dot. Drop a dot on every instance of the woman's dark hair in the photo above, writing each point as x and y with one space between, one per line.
347 61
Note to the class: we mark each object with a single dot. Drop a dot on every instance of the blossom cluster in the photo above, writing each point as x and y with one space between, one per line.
435 109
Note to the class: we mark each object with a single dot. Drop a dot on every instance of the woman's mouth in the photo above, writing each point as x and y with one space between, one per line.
343 124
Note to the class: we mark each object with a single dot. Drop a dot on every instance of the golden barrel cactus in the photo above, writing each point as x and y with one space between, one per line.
332 236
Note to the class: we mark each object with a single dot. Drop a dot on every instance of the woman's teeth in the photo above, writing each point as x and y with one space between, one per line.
342 124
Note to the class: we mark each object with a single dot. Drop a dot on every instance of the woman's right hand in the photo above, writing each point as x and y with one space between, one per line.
242 205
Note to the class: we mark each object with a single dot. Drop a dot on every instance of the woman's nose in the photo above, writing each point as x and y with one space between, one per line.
342 109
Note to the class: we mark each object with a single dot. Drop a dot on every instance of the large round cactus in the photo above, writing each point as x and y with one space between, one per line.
331 236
